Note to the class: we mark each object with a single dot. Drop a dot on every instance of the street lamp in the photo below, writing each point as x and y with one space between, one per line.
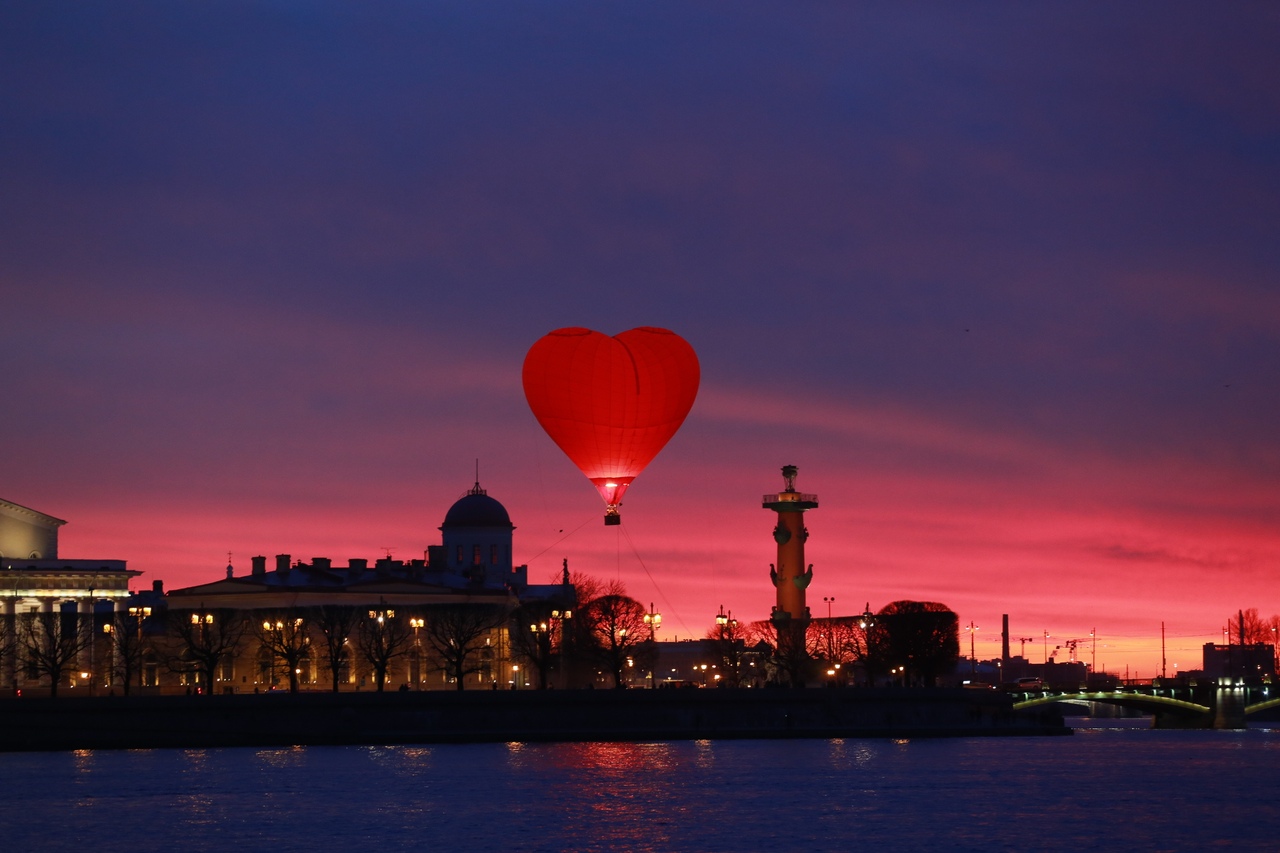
203 621
653 619
560 617
416 623
973 660
831 639
726 628
1093 664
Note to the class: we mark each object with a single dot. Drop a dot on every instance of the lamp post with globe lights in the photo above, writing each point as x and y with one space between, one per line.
728 649
652 619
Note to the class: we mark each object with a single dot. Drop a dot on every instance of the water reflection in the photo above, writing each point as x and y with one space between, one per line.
704 754
404 762
82 762
925 795
606 795
293 756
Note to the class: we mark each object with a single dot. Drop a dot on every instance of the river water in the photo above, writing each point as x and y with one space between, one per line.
1114 785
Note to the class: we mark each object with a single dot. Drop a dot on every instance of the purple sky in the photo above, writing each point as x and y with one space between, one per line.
1001 281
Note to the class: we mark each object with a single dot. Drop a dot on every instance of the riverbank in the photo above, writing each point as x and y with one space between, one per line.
281 719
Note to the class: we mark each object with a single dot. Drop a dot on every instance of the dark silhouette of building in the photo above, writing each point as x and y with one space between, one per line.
1239 661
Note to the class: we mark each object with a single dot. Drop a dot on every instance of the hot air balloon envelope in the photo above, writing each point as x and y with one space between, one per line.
611 403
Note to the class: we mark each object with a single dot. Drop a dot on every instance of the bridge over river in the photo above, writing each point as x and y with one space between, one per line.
1210 706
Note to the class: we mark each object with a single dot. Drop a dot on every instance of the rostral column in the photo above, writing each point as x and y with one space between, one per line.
790 576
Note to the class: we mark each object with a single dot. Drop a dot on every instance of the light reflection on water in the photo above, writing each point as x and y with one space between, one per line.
1108 787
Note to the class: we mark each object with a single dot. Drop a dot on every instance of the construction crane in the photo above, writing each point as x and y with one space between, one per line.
1022 650
1072 645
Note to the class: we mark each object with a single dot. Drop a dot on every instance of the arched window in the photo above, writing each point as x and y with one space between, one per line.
151 670
266 668
306 676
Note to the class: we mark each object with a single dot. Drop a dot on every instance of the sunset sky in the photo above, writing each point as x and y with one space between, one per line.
1001 280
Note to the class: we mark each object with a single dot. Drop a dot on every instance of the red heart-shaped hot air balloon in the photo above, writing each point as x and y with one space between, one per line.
611 403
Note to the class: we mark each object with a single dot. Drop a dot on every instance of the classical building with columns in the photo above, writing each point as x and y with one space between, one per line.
34 580
153 641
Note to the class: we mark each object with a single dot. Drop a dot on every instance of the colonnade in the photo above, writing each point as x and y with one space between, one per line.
20 603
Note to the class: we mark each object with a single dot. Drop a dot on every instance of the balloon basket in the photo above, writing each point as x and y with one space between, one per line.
611 517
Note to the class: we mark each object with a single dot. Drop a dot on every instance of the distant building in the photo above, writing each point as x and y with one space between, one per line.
1230 661
1065 674
471 567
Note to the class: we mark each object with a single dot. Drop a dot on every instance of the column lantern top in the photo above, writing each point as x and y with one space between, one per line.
789 500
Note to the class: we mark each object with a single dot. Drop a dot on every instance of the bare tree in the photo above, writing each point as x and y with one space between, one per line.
52 641
336 623
456 633
840 642
206 637
618 634
588 589
381 637
285 636
1248 627
128 645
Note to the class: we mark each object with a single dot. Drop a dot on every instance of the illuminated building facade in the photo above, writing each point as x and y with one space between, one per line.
35 581
471 569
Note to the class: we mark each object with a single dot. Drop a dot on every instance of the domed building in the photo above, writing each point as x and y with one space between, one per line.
470 571
476 549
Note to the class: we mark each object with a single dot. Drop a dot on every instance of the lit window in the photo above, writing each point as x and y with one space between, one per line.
475 555
493 555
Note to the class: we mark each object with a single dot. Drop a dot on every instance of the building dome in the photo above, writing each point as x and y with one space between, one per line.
477 509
